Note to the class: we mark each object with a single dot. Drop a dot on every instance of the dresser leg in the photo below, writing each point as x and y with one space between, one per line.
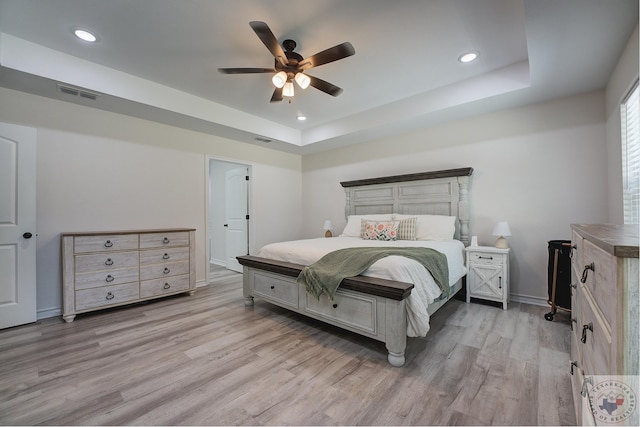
69 318
248 301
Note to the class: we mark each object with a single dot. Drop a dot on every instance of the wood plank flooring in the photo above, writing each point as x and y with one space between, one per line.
209 360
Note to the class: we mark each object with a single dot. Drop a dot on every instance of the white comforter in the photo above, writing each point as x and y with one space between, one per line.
397 268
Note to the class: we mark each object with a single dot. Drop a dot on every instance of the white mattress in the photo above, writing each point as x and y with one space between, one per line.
397 268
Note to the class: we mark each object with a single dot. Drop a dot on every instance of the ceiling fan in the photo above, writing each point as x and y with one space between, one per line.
290 66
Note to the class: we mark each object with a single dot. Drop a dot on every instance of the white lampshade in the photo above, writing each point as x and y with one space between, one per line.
302 80
501 230
279 79
287 90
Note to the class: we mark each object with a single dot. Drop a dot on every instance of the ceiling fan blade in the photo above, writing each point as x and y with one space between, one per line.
324 86
277 95
329 55
264 33
245 70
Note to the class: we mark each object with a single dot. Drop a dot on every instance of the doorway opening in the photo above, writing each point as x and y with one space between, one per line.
228 214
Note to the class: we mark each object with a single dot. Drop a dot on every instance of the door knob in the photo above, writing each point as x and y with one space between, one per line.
27 235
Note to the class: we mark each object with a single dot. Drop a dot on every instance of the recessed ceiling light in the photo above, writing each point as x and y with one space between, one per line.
85 35
302 118
468 57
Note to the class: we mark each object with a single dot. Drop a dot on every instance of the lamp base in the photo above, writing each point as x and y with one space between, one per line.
502 243
328 234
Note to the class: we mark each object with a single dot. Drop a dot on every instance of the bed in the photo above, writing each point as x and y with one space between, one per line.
394 297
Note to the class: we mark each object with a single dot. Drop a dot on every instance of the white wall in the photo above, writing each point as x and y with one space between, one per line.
102 171
621 81
540 168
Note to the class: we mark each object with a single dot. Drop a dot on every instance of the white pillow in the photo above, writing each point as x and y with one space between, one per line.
354 223
432 227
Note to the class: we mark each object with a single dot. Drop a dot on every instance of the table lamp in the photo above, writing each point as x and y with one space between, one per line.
327 227
501 230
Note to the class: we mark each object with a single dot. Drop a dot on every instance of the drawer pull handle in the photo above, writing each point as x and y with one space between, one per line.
110 278
485 257
499 282
166 286
585 381
573 320
335 305
573 248
585 272
165 240
110 296
165 256
574 364
273 287
108 244
109 261
166 270
585 328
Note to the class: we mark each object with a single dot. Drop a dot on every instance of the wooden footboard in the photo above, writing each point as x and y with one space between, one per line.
369 306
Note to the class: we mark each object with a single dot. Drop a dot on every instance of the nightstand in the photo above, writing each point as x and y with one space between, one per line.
488 274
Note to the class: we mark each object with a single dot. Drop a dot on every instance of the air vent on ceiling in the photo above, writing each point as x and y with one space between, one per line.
262 139
75 91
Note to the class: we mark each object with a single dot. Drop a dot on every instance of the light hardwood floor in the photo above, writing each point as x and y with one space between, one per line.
209 360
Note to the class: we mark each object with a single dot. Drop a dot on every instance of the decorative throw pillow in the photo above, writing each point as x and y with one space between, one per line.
407 229
380 230
354 223
432 227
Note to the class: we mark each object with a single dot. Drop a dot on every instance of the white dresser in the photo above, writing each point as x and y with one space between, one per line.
108 269
604 318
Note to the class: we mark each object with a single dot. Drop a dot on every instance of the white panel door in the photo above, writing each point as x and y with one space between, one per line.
17 225
236 222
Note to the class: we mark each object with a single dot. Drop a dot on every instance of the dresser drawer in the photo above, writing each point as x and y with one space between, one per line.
106 278
353 311
167 269
105 243
577 242
485 258
160 256
106 296
168 285
601 281
164 240
594 337
273 289
105 261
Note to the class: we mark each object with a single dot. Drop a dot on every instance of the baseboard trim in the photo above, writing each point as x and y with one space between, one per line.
50 312
528 299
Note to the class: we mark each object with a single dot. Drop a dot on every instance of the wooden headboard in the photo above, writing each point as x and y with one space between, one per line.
444 192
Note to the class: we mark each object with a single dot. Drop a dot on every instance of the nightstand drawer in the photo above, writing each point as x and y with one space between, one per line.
483 258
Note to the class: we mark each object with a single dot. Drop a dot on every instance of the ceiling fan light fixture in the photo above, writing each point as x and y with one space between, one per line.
303 80
287 90
279 79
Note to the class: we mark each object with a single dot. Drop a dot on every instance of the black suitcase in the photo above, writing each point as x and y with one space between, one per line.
559 277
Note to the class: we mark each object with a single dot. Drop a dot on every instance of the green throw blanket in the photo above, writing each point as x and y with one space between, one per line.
326 274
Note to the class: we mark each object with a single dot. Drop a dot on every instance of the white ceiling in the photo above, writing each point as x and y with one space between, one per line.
158 60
